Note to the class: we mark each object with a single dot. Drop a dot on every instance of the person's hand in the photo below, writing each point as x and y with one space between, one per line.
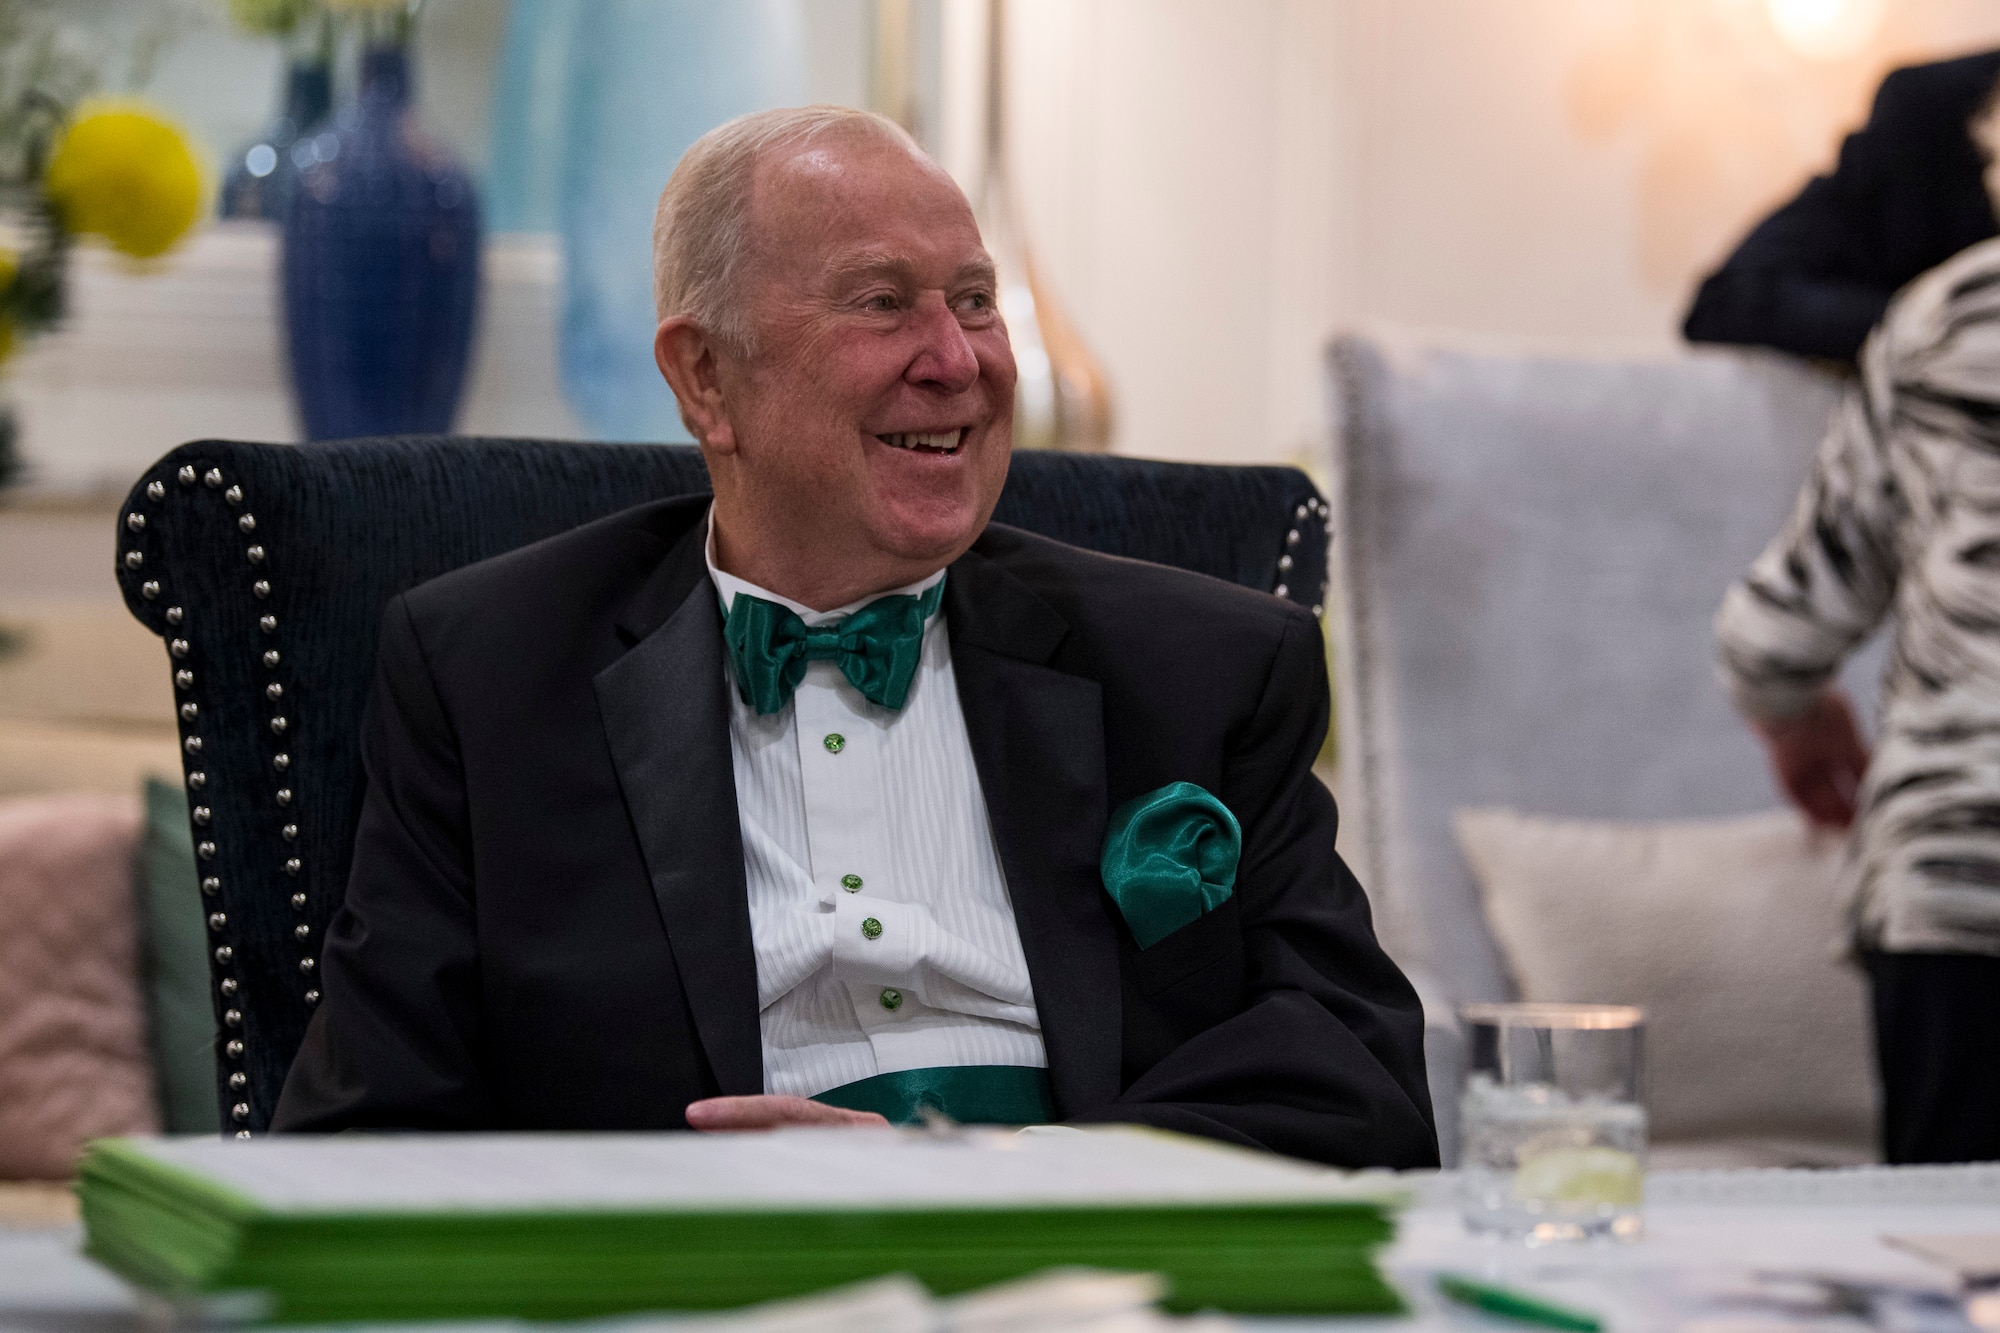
1818 757
724 1114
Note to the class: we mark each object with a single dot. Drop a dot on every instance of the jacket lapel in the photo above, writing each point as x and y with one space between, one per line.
1037 739
666 715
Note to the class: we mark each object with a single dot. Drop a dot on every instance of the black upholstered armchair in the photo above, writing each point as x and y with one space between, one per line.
265 568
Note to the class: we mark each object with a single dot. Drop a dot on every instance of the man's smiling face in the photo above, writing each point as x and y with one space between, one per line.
872 417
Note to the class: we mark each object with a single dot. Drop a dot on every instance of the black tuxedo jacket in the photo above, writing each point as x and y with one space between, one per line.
546 924
1908 194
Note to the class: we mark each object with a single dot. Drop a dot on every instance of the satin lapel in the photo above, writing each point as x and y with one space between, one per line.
666 715
1037 739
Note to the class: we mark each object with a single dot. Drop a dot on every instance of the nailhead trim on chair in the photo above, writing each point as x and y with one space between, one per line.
1315 508
180 649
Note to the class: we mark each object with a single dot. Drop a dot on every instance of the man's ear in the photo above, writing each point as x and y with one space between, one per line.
686 355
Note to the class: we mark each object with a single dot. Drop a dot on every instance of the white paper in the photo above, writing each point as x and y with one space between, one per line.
792 1168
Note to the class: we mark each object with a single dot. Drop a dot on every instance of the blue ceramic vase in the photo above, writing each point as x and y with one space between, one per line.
260 179
381 268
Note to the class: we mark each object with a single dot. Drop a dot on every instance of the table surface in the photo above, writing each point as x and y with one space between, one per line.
1709 1235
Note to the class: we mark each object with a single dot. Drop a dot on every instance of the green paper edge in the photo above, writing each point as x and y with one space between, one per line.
184 1236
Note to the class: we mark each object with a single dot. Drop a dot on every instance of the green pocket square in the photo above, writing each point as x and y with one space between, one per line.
1170 857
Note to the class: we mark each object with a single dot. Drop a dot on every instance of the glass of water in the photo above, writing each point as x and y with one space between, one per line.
1552 1129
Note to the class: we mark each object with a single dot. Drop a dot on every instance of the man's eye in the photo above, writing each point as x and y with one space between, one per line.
881 301
976 303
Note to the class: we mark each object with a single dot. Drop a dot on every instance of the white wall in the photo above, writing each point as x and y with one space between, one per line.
1217 184
1178 161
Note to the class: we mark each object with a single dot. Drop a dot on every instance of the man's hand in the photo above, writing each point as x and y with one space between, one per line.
723 1114
1818 757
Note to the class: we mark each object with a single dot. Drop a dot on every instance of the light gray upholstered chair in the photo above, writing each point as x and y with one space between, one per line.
1529 554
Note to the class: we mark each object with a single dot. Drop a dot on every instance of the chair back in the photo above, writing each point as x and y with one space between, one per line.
266 567
1530 552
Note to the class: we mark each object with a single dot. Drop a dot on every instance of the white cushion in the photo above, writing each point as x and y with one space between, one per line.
1727 932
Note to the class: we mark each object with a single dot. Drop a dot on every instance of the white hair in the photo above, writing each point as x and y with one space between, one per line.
698 228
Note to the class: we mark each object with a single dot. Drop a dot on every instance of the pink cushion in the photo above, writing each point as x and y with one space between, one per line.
73 1060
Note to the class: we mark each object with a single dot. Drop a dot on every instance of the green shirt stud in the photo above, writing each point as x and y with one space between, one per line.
892 999
871 929
852 883
834 742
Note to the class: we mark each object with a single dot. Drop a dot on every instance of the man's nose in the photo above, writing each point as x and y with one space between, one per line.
945 360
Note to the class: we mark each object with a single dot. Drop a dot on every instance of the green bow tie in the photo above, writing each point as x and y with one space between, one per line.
877 647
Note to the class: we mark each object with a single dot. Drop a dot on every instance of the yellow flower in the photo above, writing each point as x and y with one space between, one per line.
10 264
121 172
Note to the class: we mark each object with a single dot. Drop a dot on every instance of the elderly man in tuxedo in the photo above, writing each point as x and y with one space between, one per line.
825 800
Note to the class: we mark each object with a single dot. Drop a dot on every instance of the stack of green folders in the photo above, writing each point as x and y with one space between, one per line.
566 1225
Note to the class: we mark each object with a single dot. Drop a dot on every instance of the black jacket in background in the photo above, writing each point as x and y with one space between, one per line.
546 924
1907 194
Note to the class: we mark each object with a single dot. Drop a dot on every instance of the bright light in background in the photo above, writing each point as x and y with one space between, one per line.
1826 29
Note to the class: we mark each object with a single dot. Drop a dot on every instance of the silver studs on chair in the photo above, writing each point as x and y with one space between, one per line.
292 867
135 521
186 474
234 495
178 647
290 832
268 624
192 745
175 615
1284 564
134 559
234 1050
228 986
312 997
184 679
241 1110
233 1017
189 713
217 920
225 955
284 796
197 780
156 490
279 725
274 691
206 851
270 657
201 814
302 932
262 587
213 478
255 554
1281 591
299 902
248 523
210 886
1292 537
239 1081
150 589
281 761
306 964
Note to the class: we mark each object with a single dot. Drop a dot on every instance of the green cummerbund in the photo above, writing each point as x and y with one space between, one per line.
969 1094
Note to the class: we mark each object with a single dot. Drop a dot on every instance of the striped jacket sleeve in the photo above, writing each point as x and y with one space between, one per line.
1828 578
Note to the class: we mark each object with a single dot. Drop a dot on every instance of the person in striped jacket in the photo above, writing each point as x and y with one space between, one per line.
1900 521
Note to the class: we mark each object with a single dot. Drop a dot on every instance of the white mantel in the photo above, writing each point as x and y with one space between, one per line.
192 347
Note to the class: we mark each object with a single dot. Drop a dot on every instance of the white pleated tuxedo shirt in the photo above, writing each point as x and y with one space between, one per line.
850 811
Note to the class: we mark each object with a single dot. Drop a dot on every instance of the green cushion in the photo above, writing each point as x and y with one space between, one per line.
174 966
